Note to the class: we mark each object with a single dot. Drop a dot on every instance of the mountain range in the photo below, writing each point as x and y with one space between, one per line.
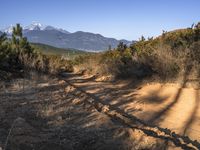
46 34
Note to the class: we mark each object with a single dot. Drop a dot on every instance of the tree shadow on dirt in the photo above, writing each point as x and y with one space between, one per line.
88 136
171 136
168 135
157 116
67 126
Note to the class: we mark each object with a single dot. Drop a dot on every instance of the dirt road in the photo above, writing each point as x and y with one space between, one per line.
164 105
45 112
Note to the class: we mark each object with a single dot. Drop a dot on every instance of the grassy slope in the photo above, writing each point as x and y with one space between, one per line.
50 50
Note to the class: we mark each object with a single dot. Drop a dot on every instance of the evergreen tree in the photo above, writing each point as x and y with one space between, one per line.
197 25
192 26
142 38
20 43
2 46
3 38
109 48
121 47
5 51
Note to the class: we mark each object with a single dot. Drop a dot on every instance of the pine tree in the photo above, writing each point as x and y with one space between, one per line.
3 38
142 38
16 36
197 25
2 47
121 47
19 42
5 51
109 47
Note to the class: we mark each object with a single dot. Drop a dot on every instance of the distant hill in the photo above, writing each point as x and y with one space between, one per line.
38 33
50 50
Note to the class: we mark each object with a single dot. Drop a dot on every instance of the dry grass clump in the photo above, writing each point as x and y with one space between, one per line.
51 64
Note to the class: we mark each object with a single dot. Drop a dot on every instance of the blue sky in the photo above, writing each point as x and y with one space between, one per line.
121 19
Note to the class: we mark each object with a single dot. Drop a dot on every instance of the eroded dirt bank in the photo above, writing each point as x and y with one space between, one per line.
47 113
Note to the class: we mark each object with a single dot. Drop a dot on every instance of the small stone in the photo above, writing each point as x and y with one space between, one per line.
105 108
59 118
61 82
76 101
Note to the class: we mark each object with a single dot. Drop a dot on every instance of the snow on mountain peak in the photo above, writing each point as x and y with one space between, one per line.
35 26
8 30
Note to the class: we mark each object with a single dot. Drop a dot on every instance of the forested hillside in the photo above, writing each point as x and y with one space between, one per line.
50 50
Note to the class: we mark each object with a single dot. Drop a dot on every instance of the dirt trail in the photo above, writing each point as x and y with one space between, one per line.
47 113
165 105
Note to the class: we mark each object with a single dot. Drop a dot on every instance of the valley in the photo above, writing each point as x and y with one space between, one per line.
50 50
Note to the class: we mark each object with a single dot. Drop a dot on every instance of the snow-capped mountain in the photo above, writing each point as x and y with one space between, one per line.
8 30
46 34
35 26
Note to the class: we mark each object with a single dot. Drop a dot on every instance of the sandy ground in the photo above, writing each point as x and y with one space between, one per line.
166 105
45 113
